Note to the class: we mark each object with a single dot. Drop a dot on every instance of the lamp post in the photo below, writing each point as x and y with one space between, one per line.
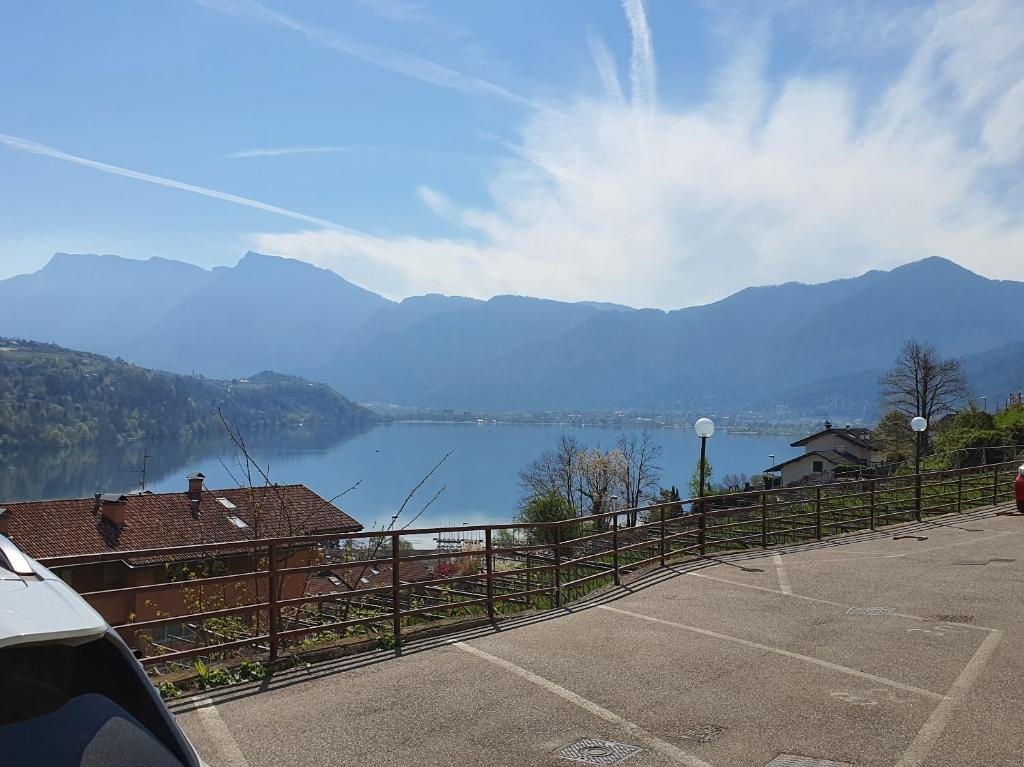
771 459
984 404
704 429
918 424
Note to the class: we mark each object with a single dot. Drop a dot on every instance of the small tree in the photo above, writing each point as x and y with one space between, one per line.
639 469
694 485
923 383
555 471
542 508
893 437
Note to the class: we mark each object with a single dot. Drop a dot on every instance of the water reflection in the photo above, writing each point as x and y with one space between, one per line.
81 471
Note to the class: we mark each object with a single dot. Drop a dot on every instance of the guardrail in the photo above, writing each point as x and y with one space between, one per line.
266 597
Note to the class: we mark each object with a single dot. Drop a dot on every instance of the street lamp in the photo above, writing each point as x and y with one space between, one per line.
984 404
918 424
704 429
771 462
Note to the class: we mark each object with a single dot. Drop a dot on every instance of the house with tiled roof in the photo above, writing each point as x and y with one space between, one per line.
824 452
112 522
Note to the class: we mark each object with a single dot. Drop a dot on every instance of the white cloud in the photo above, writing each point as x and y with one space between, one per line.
285 150
805 178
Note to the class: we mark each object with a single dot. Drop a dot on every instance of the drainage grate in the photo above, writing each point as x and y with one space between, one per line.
871 611
703 734
788 760
950 618
593 751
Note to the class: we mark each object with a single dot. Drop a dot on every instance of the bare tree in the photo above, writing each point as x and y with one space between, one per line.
923 383
639 469
599 474
555 472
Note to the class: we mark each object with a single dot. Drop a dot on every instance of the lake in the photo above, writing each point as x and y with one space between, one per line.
480 478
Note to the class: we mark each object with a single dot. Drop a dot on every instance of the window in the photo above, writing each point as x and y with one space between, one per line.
240 524
226 503
817 467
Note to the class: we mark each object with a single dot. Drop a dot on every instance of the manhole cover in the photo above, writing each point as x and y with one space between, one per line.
871 611
593 751
788 760
950 618
703 734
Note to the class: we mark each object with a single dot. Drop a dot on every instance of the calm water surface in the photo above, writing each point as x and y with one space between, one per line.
480 478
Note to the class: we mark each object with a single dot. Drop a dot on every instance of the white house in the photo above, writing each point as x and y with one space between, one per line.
826 450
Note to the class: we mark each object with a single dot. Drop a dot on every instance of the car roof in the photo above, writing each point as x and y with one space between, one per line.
37 606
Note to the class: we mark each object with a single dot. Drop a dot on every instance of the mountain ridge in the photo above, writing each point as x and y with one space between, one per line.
762 346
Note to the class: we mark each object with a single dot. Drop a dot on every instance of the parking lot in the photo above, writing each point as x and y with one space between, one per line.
900 647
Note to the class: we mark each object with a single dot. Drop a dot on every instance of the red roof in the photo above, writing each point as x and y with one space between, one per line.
156 520
331 581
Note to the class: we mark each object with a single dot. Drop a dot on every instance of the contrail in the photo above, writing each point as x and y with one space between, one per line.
387 58
286 150
605 63
641 64
25 145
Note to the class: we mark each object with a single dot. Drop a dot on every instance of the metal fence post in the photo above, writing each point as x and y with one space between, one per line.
529 579
396 594
489 561
702 527
917 494
558 566
662 536
272 610
764 520
817 512
871 504
959 490
615 548
995 484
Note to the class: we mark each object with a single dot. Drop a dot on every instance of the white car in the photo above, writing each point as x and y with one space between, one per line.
71 692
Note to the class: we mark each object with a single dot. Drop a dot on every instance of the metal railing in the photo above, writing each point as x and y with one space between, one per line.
268 606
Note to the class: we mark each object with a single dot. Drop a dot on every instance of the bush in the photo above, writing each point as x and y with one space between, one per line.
548 507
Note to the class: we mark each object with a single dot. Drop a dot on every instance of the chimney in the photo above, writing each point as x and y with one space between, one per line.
193 506
113 507
97 505
5 522
195 485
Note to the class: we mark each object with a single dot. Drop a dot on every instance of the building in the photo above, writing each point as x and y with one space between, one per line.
113 522
826 451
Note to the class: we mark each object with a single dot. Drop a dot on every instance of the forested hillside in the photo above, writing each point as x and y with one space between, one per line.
55 397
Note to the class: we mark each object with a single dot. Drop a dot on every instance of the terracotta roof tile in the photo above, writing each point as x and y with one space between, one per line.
155 520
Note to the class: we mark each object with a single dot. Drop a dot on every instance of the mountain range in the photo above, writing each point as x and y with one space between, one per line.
786 349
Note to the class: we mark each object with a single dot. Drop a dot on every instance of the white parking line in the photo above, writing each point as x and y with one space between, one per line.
829 601
226 750
663 747
926 738
785 653
780 568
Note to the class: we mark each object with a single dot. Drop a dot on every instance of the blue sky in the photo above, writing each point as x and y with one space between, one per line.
654 153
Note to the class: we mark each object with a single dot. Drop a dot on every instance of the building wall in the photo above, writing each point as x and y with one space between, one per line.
803 467
182 597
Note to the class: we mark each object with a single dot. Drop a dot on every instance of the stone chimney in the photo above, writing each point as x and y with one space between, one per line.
195 486
5 522
113 507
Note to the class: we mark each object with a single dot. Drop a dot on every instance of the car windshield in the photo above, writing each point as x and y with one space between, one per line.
83 706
